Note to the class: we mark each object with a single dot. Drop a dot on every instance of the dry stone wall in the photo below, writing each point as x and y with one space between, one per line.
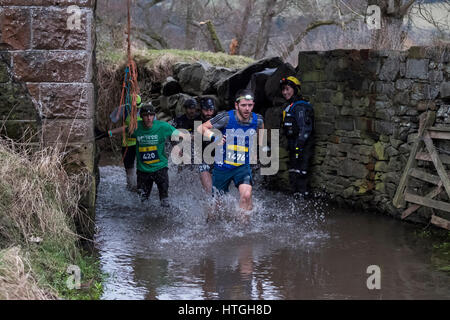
367 106
47 76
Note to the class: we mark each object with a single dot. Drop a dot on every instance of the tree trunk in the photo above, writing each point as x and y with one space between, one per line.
190 34
240 34
264 31
392 33
146 32
214 38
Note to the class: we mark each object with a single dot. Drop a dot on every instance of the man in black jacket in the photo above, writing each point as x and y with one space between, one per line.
186 121
207 111
298 127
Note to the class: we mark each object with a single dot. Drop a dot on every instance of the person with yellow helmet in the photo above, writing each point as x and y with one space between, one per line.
129 143
298 127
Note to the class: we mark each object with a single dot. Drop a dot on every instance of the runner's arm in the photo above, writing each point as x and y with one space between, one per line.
186 136
205 129
176 145
219 122
116 130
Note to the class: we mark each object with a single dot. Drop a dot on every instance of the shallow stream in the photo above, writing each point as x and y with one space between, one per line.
289 250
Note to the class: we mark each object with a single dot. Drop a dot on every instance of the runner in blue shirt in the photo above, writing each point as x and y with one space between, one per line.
239 128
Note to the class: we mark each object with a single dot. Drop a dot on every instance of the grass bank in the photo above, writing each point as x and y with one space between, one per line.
39 203
153 59
154 66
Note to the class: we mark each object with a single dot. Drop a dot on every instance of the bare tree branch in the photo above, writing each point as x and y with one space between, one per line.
148 32
311 26
264 31
404 10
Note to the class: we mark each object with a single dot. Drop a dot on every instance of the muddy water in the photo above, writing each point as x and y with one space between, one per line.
289 250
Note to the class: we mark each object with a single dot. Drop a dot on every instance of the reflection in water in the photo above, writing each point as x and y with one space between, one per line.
290 250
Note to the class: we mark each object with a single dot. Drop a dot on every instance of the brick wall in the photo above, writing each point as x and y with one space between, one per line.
47 75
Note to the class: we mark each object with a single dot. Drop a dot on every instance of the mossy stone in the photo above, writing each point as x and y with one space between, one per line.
380 152
4 76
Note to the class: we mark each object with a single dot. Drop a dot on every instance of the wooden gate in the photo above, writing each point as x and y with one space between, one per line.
440 181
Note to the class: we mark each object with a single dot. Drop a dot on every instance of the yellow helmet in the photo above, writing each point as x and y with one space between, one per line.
290 81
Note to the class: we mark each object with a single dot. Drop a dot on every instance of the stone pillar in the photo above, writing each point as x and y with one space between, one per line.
47 58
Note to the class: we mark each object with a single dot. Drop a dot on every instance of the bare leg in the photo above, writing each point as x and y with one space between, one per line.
214 209
245 201
206 180
131 179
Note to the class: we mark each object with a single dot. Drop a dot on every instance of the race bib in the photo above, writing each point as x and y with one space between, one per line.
149 155
236 155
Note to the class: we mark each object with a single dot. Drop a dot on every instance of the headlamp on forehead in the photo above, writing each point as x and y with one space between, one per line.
246 97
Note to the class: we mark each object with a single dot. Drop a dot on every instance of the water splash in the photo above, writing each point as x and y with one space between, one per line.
185 222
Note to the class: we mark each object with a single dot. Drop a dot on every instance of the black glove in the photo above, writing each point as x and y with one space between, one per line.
99 134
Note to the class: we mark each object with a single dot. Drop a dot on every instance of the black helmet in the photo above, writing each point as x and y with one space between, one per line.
207 103
190 103
147 108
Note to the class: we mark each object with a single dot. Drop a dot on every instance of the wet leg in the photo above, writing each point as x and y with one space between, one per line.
162 181
144 185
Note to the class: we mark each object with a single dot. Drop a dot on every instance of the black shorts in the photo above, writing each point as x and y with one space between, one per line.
204 167
145 182
129 156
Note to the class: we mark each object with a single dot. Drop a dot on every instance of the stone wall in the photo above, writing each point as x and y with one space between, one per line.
367 106
46 76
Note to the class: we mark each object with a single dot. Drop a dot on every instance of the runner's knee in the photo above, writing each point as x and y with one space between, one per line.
246 195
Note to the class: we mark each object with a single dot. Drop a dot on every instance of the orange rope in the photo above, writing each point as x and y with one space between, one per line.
130 87
131 82
134 92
